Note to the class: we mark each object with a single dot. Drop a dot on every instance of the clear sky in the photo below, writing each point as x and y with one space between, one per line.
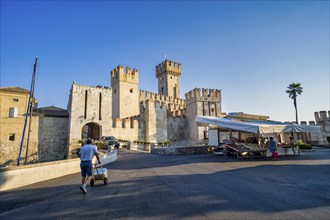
251 50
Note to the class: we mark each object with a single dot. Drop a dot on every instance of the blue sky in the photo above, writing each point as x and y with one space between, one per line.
251 50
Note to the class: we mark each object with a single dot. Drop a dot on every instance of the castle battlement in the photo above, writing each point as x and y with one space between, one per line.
146 95
131 122
321 116
177 113
197 94
119 74
78 88
168 66
173 107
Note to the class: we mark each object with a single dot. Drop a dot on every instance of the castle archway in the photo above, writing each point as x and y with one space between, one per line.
91 130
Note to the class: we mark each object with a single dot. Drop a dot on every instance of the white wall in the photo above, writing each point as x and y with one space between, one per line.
213 137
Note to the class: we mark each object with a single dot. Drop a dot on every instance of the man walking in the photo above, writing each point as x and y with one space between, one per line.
87 153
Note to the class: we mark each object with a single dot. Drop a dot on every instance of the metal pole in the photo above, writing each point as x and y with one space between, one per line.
31 111
26 117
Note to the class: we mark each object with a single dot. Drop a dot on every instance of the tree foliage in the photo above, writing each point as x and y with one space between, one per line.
294 89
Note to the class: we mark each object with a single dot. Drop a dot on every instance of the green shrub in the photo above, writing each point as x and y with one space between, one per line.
101 144
306 146
302 145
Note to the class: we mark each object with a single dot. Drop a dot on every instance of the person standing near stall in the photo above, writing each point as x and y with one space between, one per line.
292 145
273 148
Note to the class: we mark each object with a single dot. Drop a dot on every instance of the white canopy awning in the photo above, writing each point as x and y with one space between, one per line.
261 127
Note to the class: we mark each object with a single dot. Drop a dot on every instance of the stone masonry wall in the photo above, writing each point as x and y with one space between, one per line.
322 119
99 115
9 150
156 121
206 102
53 138
177 131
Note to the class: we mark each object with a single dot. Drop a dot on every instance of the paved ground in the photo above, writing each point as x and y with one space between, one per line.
184 187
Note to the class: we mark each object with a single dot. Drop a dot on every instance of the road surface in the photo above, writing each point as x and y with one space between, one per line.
148 186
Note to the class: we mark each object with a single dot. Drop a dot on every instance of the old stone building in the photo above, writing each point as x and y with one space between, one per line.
48 130
131 114
13 104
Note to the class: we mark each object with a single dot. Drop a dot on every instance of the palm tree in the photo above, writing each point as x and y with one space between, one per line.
294 89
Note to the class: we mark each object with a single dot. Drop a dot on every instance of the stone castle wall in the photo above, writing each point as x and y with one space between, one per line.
172 103
206 102
177 131
84 107
322 119
52 138
155 121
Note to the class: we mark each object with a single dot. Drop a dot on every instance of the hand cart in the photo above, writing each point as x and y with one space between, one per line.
99 173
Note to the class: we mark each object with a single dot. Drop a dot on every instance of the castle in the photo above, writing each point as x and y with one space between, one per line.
131 114
121 110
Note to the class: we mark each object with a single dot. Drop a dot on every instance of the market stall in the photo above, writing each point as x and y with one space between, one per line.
259 128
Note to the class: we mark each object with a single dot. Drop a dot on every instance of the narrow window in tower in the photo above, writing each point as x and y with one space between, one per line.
162 89
115 92
203 109
131 90
100 106
85 113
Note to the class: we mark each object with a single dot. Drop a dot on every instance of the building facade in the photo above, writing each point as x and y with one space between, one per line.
13 104
48 131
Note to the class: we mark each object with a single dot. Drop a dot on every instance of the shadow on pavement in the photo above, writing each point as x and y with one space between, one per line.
267 190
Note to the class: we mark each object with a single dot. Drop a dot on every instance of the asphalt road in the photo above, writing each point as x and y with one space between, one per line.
151 186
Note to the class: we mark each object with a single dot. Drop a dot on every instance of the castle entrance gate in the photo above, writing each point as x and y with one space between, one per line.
91 130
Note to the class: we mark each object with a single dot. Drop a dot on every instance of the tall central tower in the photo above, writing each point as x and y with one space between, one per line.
168 74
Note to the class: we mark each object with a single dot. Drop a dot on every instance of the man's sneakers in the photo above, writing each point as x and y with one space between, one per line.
83 189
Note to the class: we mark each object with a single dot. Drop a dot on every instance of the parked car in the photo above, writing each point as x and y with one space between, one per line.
112 141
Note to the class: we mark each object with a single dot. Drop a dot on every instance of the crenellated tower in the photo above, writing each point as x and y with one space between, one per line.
168 74
204 102
322 119
125 92
201 102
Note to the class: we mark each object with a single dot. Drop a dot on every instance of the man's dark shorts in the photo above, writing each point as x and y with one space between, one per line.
86 168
